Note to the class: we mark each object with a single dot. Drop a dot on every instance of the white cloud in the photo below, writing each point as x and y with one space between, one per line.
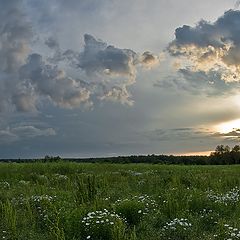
211 47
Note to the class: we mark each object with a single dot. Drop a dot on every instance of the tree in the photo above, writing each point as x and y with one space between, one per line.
221 155
235 153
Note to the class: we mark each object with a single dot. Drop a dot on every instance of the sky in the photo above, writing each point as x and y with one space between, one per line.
90 78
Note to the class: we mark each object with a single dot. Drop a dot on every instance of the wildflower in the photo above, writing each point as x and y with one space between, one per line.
232 196
100 222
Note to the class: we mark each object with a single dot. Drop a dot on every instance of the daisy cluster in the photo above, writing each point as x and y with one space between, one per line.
100 221
60 177
230 197
177 224
134 173
41 198
101 217
43 177
4 185
23 182
231 233
208 213
41 204
4 234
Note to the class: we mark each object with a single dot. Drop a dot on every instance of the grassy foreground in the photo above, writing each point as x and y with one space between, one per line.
118 202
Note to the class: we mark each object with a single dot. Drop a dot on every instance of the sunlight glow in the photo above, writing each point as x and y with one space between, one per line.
236 100
203 153
227 127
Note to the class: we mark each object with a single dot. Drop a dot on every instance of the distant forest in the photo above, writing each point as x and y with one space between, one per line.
222 155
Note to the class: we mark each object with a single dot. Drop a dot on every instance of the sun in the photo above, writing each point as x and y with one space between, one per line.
227 127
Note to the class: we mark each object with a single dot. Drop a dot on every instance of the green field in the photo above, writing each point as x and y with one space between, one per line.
118 202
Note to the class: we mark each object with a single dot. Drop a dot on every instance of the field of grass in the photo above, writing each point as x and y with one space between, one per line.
67 201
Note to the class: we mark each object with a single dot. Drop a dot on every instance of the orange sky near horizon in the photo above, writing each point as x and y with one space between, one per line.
203 153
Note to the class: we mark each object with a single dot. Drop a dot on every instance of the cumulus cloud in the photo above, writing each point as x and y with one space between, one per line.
27 77
110 69
149 60
98 56
15 33
117 94
211 47
15 37
53 82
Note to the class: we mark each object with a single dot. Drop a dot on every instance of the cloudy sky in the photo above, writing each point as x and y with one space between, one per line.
87 78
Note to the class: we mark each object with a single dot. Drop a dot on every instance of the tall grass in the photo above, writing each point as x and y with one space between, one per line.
44 201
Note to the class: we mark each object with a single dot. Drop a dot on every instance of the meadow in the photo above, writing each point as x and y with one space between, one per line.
70 201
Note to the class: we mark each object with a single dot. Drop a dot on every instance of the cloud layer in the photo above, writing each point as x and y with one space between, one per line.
19 133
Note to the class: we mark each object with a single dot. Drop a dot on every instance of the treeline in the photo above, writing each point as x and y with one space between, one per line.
225 155
152 159
222 155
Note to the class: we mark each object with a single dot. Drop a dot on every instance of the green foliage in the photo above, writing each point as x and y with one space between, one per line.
8 216
48 201
86 190
177 229
225 155
131 210
103 225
